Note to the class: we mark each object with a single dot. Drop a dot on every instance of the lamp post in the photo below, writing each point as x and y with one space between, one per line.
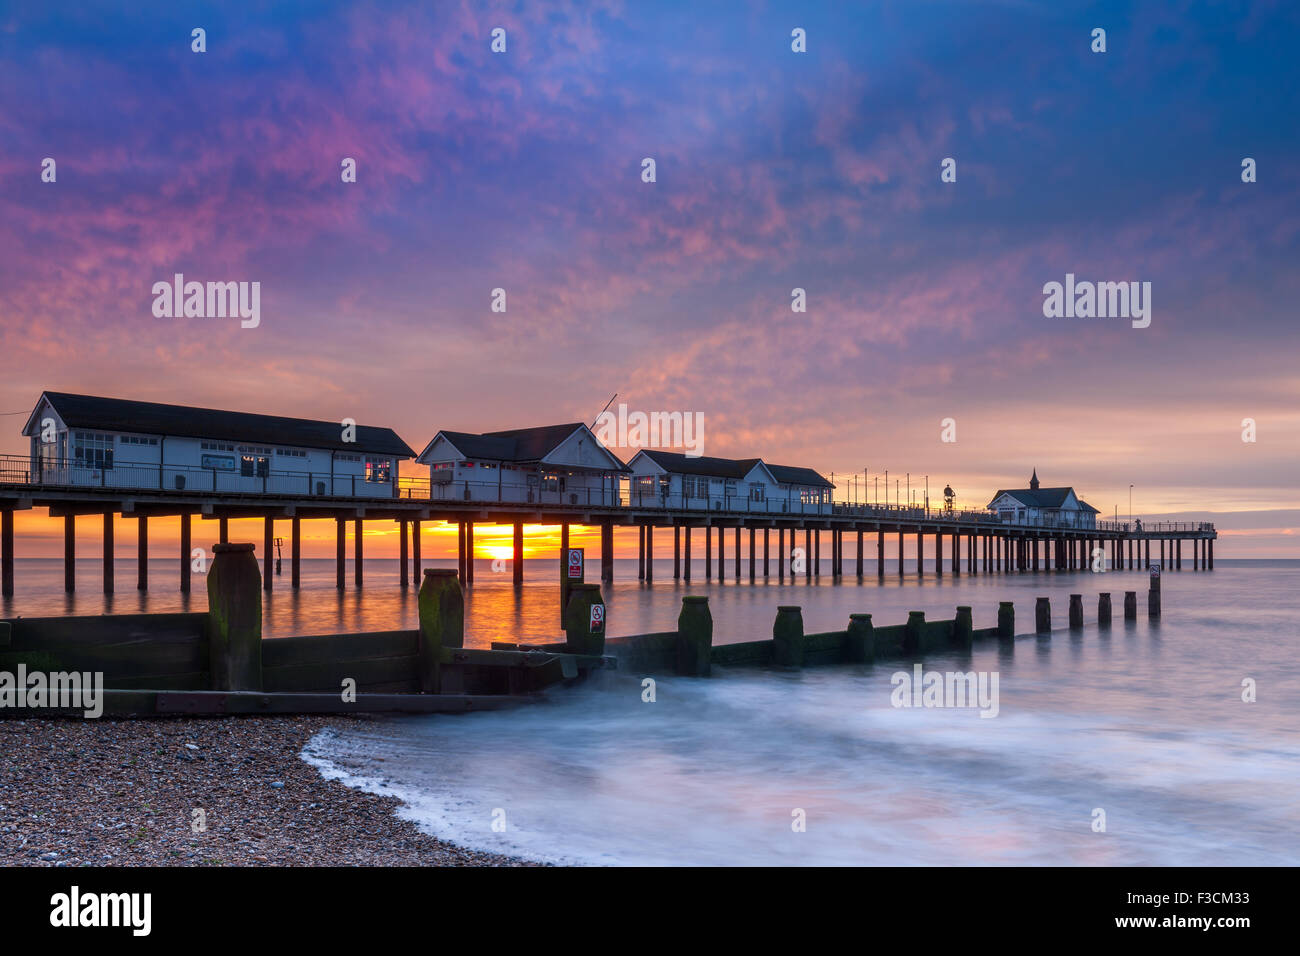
1130 504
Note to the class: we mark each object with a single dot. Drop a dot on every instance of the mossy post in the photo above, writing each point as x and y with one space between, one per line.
694 637
913 632
787 636
1006 620
1103 609
1043 616
860 647
1130 605
234 619
584 626
1153 595
1076 611
963 627
442 623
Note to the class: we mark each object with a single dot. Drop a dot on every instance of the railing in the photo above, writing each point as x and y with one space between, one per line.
1137 526
72 473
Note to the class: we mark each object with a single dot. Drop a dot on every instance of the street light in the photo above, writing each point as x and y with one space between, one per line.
1130 504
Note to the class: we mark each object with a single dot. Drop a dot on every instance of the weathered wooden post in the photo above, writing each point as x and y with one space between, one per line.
1153 594
860 647
963 628
694 637
584 620
234 619
1076 611
1006 620
787 636
1130 605
442 623
1043 616
912 632
1103 609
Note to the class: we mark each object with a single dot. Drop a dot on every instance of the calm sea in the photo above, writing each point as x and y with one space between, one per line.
1144 724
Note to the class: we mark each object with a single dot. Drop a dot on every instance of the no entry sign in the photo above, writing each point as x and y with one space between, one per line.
597 617
575 564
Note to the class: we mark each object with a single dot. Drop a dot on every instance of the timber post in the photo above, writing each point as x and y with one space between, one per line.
694 637
234 621
787 636
442 623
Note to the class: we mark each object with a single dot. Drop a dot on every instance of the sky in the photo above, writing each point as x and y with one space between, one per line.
774 170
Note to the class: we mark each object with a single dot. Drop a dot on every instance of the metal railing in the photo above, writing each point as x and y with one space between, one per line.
1137 526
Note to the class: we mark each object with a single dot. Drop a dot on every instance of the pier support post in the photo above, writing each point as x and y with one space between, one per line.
415 552
403 556
767 554
340 553
880 555
1103 609
752 542
816 562
142 553
442 623
1178 559
677 552
1043 616
1146 548
1130 605
460 552
7 552
1153 596
357 559
861 564
735 555
810 558
517 555
640 552
900 552
780 555
1006 620
469 552
963 628
920 553
1076 611
69 553
650 553
223 530
295 553
686 564
108 552
694 637
1210 553
708 552
268 553
860 645
234 620
787 636
938 553
143 550
913 633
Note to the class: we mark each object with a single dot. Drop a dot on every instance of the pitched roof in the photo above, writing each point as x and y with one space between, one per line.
520 445
1037 497
152 418
737 468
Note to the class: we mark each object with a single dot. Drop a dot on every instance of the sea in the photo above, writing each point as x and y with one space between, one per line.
1152 743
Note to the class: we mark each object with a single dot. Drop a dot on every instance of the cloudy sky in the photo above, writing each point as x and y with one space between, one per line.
774 170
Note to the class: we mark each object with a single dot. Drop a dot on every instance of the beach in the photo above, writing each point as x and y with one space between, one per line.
124 793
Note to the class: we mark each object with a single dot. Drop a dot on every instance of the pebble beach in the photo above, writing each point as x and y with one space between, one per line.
124 793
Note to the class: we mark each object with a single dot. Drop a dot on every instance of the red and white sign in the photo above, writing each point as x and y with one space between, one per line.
597 617
575 563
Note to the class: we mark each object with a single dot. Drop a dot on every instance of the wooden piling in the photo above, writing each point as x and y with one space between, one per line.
780 554
340 553
1130 605
640 552
469 551
1006 620
415 552
694 637
108 552
753 532
708 552
7 552
787 636
186 546
1076 611
460 552
913 633
442 623
69 553
268 553
736 555
1153 595
1103 609
295 553
686 565
650 552
963 628
860 643
517 555
357 557
880 555
403 556
767 552
234 619
677 552
584 631
920 553
1042 616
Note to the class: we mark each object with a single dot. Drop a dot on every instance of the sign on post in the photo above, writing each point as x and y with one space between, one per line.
597 618
572 571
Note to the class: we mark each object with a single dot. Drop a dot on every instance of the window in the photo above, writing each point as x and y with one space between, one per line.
443 466
379 469
215 446
729 489
347 457
136 440
254 466
757 491
93 450
553 483
291 453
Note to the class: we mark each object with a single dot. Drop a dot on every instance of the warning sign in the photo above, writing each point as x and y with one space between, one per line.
575 563
1155 570
597 617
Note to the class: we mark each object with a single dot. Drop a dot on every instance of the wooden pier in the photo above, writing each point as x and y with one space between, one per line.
958 542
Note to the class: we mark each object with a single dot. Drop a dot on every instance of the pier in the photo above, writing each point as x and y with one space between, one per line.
739 538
